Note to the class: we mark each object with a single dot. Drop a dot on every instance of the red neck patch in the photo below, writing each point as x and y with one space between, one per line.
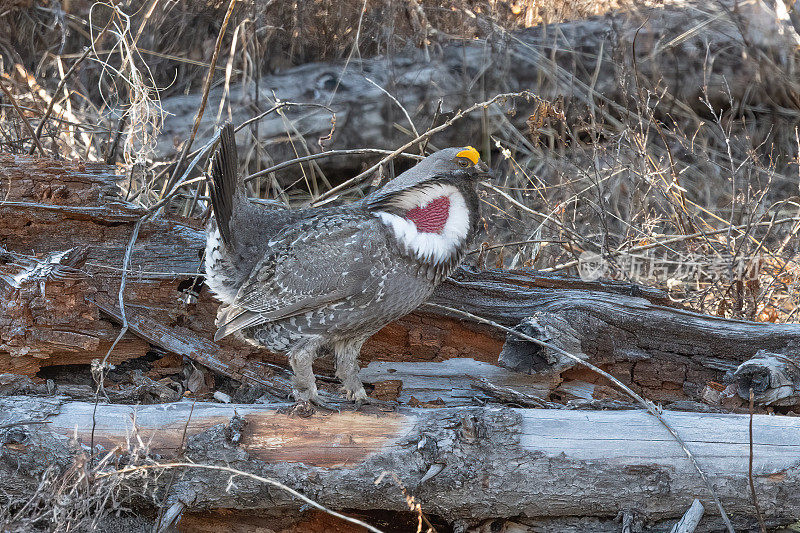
432 217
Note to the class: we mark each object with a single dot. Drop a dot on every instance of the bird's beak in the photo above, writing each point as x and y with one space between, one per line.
483 171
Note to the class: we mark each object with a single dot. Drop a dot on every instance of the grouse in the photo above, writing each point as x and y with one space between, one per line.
316 280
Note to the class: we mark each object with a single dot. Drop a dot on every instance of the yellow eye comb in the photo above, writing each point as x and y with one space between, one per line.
470 153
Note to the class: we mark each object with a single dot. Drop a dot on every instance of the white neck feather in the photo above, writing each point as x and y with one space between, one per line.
432 248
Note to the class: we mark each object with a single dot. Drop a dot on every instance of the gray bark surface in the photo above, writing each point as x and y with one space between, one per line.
774 379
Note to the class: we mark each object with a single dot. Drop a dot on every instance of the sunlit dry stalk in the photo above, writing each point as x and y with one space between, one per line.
144 106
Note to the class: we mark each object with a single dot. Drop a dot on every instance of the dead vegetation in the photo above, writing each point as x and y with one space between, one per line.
694 196
691 191
270 34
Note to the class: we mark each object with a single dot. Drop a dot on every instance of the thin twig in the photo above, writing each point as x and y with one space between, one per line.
329 153
402 108
183 180
172 477
58 90
413 505
642 103
123 280
430 133
436 113
679 238
121 298
146 17
236 472
63 82
761 524
545 218
647 404
353 50
22 117
515 243
278 106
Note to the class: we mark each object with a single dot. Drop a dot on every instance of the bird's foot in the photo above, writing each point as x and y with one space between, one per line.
356 394
308 402
307 408
303 409
319 402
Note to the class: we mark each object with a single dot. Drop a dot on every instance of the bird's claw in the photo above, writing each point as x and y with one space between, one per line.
303 409
307 404
358 397
306 408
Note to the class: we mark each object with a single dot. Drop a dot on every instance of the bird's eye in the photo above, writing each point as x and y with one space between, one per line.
464 163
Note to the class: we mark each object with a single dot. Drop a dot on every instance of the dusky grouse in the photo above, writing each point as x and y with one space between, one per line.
326 279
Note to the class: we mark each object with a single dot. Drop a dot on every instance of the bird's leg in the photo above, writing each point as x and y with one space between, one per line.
301 359
304 385
347 369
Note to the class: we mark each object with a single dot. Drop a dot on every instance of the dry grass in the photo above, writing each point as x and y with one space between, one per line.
117 490
705 209
700 202
280 32
108 109
77 497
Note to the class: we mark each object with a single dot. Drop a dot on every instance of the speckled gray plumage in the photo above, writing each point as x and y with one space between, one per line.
302 281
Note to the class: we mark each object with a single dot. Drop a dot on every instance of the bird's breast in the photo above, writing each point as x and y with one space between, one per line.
431 218
434 230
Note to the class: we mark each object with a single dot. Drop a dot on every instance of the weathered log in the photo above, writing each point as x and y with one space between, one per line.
733 50
141 389
465 464
663 351
55 313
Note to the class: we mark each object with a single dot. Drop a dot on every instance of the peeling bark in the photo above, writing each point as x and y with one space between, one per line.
64 309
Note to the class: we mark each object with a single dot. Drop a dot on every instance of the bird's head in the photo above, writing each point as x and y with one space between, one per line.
460 167
432 208
452 163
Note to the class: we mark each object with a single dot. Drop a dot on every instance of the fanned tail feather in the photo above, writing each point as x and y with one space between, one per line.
224 182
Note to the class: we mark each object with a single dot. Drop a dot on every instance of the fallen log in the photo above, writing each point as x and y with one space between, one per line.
724 51
465 465
65 230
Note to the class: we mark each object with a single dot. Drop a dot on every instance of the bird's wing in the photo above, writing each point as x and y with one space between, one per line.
312 263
